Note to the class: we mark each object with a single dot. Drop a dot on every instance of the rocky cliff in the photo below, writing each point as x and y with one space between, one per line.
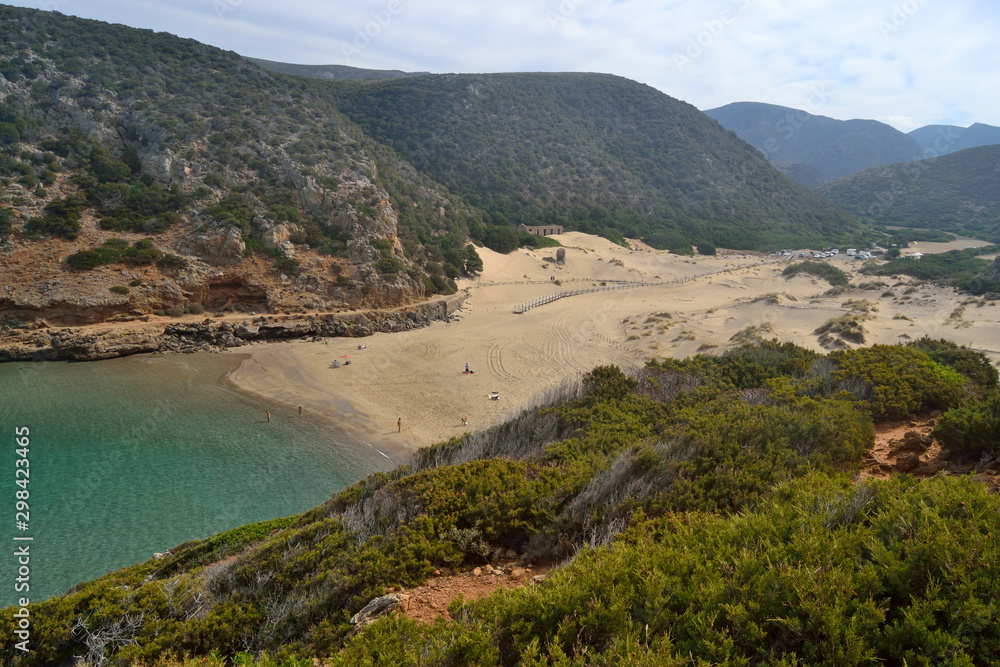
43 342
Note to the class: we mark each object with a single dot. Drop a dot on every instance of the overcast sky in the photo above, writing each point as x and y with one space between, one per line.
905 62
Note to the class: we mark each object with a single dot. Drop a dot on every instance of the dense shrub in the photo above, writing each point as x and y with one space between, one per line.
501 238
62 218
171 262
973 365
973 429
827 272
6 222
232 211
897 381
389 266
90 259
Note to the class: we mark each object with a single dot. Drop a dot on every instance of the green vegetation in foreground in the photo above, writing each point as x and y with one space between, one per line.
828 272
705 510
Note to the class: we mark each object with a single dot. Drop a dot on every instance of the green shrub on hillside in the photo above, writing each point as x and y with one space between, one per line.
114 251
6 222
824 573
62 218
707 506
897 381
973 365
973 429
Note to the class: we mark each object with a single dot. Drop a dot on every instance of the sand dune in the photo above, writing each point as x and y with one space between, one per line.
418 375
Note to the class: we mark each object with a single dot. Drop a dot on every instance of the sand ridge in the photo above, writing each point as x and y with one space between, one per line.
418 376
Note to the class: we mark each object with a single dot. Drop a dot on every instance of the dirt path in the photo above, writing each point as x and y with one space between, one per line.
430 601
908 447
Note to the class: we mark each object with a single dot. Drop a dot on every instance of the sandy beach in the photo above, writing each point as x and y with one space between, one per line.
706 304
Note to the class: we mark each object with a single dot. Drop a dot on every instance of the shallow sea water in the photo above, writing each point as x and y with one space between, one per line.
134 456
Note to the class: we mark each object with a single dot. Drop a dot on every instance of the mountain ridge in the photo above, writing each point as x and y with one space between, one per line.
958 192
572 148
832 147
944 139
332 71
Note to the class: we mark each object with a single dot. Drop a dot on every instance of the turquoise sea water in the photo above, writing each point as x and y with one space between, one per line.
133 456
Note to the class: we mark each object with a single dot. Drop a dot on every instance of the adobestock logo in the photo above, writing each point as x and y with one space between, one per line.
223 7
900 16
371 29
565 10
713 29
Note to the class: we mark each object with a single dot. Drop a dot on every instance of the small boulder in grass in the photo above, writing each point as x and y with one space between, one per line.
377 607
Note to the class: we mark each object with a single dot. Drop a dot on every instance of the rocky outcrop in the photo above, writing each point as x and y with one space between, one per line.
222 248
68 344
378 607
992 271
279 236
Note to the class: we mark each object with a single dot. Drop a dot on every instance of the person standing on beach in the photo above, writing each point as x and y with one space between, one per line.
268 416
300 411
465 421
399 425
467 368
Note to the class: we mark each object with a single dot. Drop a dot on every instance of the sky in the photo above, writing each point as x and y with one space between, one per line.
907 63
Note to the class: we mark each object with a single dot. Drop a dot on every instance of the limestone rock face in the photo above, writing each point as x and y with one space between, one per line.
223 248
165 167
279 236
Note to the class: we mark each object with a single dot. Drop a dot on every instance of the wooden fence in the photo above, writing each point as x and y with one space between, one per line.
554 296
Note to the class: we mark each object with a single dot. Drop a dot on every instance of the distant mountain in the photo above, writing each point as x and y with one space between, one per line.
945 139
958 193
594 152
333 71
833 148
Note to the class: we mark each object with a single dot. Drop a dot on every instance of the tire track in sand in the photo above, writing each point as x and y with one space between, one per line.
496 364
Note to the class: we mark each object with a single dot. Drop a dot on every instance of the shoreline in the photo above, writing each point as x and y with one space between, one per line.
689 306
701 305
110 340
260 382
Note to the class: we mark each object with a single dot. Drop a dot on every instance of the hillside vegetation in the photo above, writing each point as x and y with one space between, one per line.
957 193
814 149
596 153
111 129
703 511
